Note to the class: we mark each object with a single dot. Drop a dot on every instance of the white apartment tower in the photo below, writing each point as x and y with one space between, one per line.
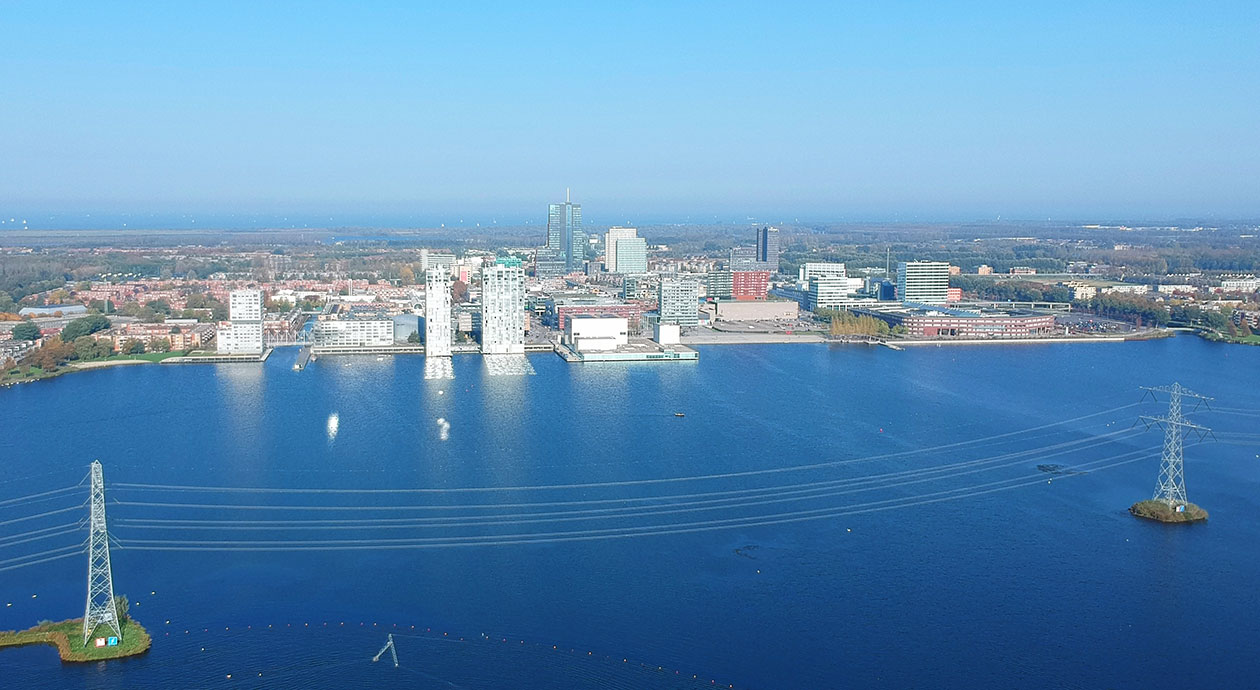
243 333
923 282
610 245
678 301
437 312
503 310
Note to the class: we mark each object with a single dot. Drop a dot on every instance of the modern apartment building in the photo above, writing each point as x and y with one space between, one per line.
437 313
243 334
502 309
677 300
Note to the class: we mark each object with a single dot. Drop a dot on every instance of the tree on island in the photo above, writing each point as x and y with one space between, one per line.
26 330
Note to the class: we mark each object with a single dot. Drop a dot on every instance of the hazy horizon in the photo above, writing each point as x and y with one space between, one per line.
656 113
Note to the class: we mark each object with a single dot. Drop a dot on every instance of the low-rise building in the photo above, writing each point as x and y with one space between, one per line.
595 333
768 310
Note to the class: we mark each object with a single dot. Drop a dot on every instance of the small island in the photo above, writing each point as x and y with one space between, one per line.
1165 512
67 637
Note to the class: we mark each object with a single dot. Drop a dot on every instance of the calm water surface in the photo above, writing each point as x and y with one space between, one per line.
814 577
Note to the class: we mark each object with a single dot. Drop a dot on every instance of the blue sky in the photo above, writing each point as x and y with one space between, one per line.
827 111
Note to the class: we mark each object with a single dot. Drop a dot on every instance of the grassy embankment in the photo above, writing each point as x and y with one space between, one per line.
67 637
1158 510
22 374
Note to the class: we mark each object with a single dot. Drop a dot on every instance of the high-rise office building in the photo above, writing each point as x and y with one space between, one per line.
820 270
610 246
437 312
631 253
768 248
677 300
743 258
565 235
923 282
503 309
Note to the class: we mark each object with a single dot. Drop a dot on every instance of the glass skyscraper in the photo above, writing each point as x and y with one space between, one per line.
564 234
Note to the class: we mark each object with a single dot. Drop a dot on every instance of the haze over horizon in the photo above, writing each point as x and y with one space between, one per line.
656 113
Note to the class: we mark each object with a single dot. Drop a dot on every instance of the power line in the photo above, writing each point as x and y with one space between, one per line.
769 496
631 482
618 533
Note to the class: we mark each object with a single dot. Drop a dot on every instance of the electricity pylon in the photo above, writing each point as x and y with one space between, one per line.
392 651
1171 488
100 609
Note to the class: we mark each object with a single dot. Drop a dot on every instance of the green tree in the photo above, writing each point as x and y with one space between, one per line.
414 337
132 346
26 330
86 325
1244 329
160 345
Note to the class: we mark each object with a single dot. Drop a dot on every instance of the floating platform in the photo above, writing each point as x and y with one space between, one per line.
213 358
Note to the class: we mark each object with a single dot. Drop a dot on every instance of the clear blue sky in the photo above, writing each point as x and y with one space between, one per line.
867 110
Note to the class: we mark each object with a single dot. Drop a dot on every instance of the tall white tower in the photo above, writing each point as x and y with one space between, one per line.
503 309
437 312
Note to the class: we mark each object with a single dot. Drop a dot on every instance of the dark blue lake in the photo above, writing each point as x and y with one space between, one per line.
819 517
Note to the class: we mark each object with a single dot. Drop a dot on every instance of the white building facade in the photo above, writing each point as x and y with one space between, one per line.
243 334
820 270
437 312
596 333
610 246
353 333
923 282
503 310
678 299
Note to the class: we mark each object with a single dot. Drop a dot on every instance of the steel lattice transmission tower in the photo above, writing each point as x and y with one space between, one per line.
1171 488
101 609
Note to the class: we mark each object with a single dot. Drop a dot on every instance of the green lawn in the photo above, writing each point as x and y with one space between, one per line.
148 356
67 637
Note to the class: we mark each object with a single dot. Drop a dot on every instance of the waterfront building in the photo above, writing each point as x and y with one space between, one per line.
984 270
750 285
565 235
368 330
595 333
953 295
942 322
667 334
677 301
503 309
243 334
768 248
245 305
923 282
610 248
437 313
240 337
820 270
1023 271
630 255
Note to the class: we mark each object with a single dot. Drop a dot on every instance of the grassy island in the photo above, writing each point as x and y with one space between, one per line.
1158 510
67 637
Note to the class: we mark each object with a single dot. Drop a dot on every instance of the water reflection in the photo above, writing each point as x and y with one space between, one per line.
508 365
438 368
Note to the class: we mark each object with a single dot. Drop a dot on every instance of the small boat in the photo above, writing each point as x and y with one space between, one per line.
679 414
